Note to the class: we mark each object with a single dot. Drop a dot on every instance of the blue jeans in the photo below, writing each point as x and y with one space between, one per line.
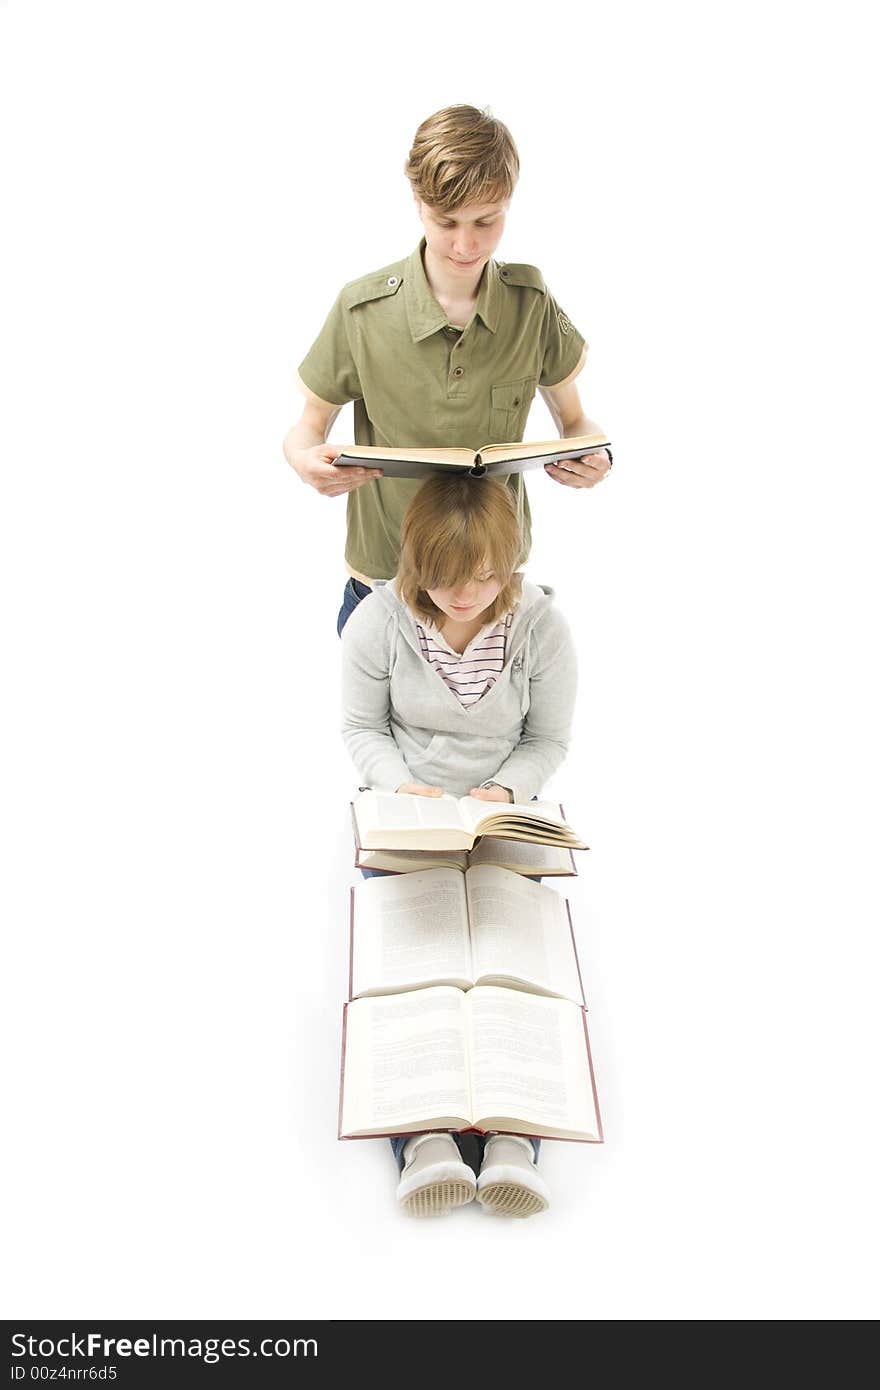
470 1146
352 594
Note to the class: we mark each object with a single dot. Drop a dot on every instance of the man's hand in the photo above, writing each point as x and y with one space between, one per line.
315 467
416 789
586 471
491 794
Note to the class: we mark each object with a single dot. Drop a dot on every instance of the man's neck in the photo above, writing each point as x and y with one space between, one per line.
456 294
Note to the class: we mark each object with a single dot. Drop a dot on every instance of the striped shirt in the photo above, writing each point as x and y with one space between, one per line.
469 674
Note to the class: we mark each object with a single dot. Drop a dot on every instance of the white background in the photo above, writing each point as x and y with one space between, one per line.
185 188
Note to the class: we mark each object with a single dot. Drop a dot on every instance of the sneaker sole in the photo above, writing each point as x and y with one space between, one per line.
437 1198
511 1199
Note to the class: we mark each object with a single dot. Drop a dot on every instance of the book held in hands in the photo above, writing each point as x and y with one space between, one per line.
489 459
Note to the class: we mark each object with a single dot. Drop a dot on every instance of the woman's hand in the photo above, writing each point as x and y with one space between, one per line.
491 794
416 789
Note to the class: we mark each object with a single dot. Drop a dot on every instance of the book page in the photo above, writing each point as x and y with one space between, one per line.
405 1065
407 861
372 453
491 453
410 930
523 856
548 808
388 820
473 811
435 810
520 929
529 1063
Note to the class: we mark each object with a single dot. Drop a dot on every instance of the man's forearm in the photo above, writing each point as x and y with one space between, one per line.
302 435
573 428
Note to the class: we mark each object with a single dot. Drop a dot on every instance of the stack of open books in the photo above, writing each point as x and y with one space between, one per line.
466 1006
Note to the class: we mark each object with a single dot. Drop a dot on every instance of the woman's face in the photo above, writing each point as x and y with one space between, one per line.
466 601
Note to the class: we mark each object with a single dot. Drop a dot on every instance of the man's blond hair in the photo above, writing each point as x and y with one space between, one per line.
462 156
453 529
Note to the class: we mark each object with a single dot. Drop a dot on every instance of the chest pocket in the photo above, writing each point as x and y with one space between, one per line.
510 406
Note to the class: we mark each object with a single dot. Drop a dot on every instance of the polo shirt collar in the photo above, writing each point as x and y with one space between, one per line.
487 299
425 315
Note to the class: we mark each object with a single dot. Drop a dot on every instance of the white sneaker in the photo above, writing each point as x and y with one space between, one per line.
434 1178
509 1183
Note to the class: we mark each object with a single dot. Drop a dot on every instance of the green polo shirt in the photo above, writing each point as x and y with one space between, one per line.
418 382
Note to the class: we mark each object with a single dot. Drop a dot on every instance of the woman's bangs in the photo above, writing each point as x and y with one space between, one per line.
436 571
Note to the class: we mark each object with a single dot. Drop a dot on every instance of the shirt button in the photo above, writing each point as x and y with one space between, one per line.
458 371
504 274
393 281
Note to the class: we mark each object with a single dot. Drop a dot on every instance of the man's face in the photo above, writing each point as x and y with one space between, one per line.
462 241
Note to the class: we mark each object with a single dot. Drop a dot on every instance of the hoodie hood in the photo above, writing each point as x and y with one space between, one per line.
533 602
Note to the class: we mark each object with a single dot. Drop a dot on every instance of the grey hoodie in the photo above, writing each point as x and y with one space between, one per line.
401 723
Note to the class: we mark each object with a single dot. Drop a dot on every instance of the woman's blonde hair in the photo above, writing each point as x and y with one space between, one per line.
461 156
452 531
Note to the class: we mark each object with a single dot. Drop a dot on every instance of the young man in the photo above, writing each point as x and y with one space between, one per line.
443 349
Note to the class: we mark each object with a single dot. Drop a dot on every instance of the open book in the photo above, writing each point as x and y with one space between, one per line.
441 927
488 1059
489 458
520 856
395 820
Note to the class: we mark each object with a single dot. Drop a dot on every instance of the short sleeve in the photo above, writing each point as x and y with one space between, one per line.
329 368
562 345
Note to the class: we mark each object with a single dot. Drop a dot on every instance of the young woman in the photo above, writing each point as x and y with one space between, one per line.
458 676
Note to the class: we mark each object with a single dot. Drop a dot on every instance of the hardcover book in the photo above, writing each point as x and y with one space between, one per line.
444 927
483 1059
395 821
489 459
